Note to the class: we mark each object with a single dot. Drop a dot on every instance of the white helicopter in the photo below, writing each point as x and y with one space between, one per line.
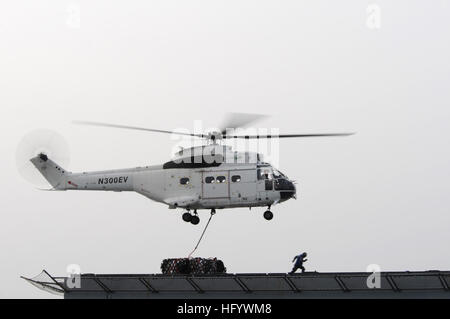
211 176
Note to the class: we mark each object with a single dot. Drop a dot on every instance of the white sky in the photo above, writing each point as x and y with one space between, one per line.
381 196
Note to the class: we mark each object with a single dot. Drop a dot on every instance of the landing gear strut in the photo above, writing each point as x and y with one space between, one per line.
268 215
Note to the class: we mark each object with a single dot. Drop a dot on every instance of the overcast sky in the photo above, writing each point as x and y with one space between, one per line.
380 196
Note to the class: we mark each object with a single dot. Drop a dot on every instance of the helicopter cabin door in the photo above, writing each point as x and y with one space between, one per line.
216 184
243 186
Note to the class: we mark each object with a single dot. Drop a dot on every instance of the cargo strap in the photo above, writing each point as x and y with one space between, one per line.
204 230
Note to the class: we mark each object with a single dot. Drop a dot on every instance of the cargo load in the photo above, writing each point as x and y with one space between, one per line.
192 266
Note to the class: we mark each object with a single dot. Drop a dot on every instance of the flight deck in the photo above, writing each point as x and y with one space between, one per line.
414 284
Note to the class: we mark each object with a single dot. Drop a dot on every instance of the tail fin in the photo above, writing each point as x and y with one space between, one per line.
52 172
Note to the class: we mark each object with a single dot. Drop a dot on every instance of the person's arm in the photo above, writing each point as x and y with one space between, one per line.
305 259
294 258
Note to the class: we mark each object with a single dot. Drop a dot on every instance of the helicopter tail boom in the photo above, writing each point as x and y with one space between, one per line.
60 179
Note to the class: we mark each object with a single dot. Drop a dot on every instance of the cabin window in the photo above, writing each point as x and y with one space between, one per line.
235 178
184 181
221 179
209 179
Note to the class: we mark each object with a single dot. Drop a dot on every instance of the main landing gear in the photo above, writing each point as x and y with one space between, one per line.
193 218
268 215
189 218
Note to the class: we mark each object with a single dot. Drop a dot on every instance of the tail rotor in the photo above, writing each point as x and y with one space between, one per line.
45 144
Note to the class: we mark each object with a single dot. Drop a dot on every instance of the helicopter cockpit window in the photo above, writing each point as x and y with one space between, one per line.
277 174
221 179
264 173
209 179
184 181
235 178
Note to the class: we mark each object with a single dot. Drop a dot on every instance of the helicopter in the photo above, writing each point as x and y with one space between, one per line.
211 176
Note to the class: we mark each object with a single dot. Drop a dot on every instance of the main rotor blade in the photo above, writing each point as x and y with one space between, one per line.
239 120
134 128
286 135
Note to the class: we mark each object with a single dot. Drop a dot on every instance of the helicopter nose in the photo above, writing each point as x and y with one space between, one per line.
287 190
294 190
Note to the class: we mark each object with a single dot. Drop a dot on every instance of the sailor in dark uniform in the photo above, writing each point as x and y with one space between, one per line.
299 260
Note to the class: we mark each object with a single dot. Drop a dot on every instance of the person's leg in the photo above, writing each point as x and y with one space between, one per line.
294 269
302 268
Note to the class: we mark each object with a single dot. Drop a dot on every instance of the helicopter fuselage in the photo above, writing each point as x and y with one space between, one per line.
188 186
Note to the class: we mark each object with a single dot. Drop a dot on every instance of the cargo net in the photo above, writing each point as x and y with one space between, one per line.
192 266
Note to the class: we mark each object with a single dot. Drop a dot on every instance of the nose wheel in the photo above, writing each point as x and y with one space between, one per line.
268 215
189 218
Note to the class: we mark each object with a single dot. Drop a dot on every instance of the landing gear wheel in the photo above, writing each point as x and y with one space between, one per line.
268 215
195 220
187 217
